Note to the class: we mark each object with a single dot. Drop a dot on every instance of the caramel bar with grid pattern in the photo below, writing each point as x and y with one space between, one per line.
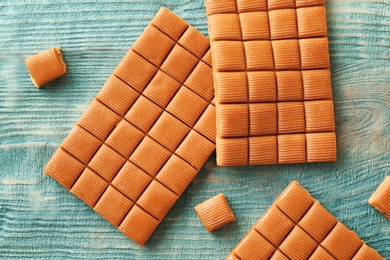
380 199
215 212
298 227
272 82
46 66
147 133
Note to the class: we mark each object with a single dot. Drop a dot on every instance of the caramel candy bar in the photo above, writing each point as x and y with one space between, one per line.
297 227
46 66
215 212
147 133
380 199
272 82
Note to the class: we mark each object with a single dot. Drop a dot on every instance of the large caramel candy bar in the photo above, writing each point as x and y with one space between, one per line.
298 227
147 133
272 81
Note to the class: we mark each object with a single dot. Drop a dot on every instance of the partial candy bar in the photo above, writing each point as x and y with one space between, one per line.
297 227
272 80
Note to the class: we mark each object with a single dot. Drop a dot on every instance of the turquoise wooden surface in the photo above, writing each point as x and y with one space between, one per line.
40 219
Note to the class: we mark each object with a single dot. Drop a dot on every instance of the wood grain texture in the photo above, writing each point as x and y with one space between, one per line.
40 219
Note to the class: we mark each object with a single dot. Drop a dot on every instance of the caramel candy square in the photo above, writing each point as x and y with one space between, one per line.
263 119
220 7
317 84
150 156
169 131
131 181
98 120
148 38
283 24
206 124
319 116
291 148
81 144
232 151
317 222
46 66
280 4
195 149
179 63
259 55
286 54
215 213
221 31
312 22
366 252
169 23
161 89
200 81
274 225
135 71
195 42
207 58
106 162
290 85
314 53
187 106
254 246
298 244
176 174
322 254
143 114
305 3
157 200
291 117
113 206
380 199
341 242
117 95
233 120
228 56
321 147
252 6
294 201
262 86
89 187
263 150
232 257
124 138
278 256
232 87
138 225
252 24
64 168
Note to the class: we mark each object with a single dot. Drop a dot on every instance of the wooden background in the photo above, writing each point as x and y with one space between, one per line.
40 219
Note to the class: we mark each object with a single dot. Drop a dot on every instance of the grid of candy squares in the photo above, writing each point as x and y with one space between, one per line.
148 132
271 68
298 227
